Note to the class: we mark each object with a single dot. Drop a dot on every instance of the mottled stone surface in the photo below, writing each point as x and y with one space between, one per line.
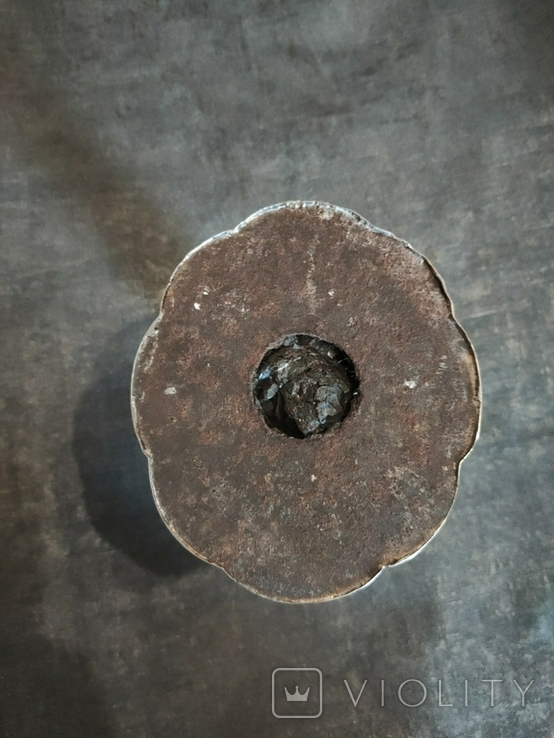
294 520
129 133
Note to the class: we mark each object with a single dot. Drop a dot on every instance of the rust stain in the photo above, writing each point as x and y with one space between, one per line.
305 519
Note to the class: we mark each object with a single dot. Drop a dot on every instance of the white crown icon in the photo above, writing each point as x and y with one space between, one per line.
296 696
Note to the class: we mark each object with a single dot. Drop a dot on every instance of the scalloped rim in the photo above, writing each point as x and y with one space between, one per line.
152 330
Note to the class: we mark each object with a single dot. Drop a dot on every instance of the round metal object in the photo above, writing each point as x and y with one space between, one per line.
305 516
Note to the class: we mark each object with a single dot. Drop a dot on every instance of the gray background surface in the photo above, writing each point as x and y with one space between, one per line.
130 132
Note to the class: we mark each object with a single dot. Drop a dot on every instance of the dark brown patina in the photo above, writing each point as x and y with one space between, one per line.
315 513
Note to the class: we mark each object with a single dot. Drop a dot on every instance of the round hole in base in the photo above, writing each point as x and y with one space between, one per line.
305 386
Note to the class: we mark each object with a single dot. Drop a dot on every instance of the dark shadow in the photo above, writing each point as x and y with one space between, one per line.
388 631
142 243
143 247
113 469
392 643
396 651
48 692
533 22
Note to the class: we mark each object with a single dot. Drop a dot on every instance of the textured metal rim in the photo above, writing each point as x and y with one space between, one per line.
149 355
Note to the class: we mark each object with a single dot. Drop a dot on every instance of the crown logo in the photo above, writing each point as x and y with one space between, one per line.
296 696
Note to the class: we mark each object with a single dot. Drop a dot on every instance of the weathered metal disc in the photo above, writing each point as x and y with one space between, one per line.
305 519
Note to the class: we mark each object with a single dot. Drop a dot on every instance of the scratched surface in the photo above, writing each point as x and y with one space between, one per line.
129 133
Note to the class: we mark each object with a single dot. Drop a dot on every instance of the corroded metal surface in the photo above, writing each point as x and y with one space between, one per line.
305 519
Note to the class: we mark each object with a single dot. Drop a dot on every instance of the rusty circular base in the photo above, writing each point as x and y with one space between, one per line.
292 518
